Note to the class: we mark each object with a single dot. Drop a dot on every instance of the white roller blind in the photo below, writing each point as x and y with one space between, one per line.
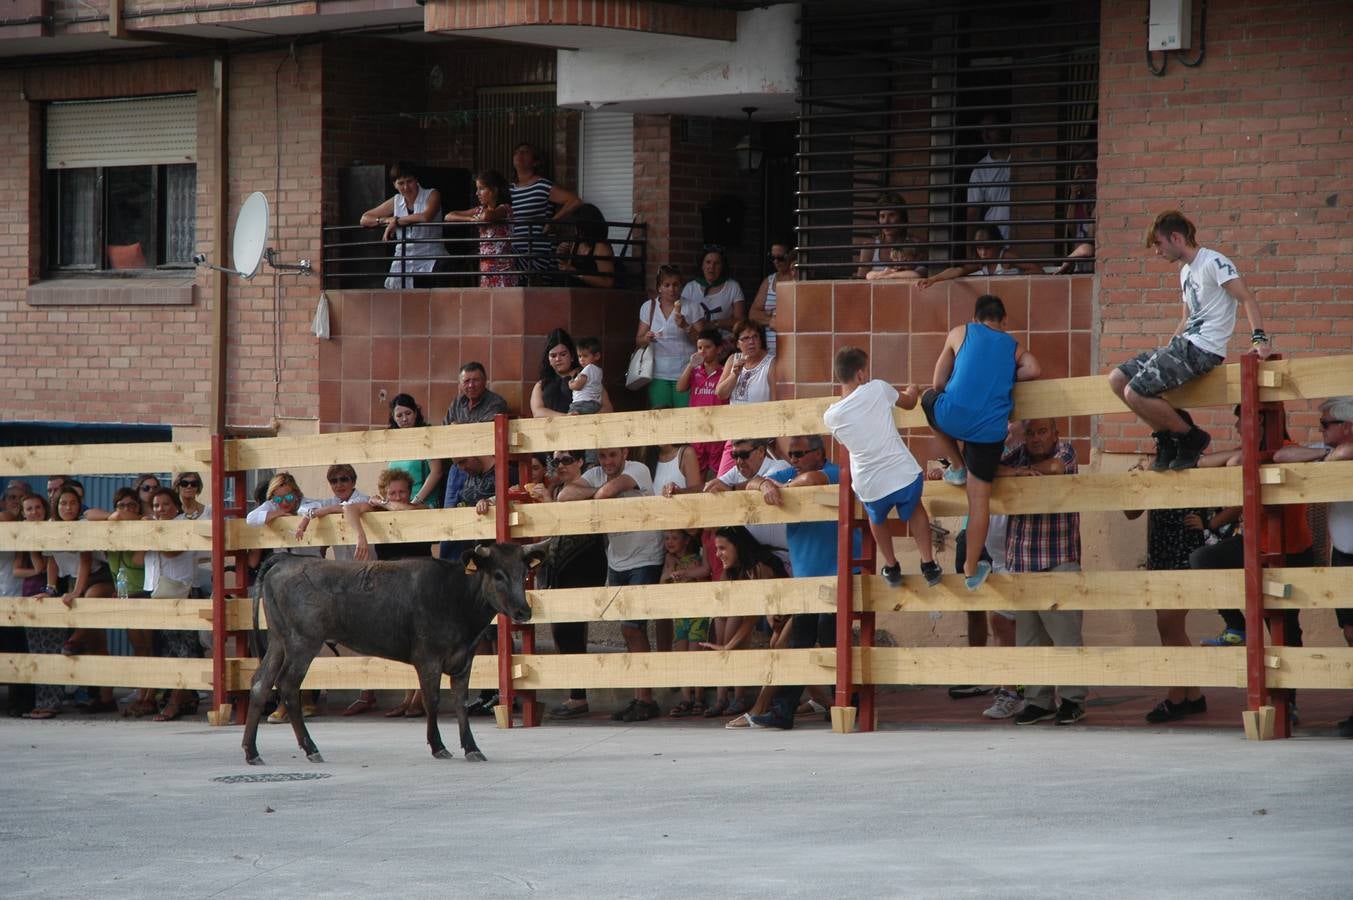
607 179
138 131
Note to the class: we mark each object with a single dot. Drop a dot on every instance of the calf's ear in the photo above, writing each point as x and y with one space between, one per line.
467 560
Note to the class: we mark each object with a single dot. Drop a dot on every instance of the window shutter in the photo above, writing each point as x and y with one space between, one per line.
133 132
607 179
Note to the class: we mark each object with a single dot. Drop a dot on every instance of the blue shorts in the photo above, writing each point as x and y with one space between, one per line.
640 575
903 500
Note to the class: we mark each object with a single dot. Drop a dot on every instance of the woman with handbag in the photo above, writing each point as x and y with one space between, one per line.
666 335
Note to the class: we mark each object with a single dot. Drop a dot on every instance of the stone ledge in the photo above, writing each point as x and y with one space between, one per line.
112 292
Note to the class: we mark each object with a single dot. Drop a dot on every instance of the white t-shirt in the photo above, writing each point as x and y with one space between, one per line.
344 551
1212 311
672 349
989 187
712 307
630 549
880 462
182 568
592 390
773 536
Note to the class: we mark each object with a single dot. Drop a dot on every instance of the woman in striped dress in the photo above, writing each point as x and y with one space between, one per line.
532 197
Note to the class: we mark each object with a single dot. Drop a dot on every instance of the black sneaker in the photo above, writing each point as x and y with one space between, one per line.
932 573
1190 447
1344 728
1069 713
1196 706
1033 714
1166 449
892 574
964 691
1165 711
641 711
620 714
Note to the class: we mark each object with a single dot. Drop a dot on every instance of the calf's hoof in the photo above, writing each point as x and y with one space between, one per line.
475 756
254 760
441 754
314 757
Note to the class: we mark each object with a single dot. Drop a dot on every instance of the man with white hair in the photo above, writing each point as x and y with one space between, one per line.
1336 429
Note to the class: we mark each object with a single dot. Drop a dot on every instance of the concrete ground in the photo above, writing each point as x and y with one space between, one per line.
106 807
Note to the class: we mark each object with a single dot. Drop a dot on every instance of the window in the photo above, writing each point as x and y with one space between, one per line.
916 108
120 186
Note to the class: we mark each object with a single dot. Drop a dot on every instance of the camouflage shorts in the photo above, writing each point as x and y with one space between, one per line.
1154 372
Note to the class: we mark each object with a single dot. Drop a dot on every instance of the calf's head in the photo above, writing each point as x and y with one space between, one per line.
504 568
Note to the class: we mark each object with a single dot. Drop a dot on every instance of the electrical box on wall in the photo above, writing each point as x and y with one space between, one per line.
1170 25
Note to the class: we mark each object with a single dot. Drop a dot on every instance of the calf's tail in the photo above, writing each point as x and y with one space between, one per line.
256 594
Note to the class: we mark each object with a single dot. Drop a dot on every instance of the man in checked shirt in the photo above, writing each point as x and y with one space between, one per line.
1045 542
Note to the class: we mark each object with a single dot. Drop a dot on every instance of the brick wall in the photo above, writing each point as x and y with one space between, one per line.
630 15
1254 146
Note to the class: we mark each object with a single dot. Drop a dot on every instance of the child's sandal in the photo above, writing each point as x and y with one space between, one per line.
681 710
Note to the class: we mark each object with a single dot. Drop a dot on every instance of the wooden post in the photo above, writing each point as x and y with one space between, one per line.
843 711
502 534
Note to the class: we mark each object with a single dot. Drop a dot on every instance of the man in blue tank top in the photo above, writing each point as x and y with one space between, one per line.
970 402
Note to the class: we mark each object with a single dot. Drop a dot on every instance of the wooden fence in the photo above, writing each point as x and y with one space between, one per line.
1259 668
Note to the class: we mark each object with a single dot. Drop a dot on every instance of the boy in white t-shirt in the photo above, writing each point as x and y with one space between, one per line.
1211 289
883 473
586 385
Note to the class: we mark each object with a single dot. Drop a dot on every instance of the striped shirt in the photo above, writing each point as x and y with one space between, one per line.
1038 542
532 202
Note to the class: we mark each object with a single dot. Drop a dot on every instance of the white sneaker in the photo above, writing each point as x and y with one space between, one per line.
1005 706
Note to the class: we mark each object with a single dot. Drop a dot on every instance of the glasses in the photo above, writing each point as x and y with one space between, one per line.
147 488
188 482
284 498
800 454
564 460
342 479
744 454
749 337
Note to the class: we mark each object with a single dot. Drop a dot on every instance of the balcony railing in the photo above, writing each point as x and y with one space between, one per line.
356 257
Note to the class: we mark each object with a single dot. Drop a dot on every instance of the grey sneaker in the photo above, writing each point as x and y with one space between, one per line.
892 574
1006 704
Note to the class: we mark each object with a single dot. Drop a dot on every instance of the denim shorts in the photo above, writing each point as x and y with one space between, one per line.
641 575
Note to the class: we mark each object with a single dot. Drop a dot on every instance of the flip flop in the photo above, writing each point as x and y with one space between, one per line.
742 721
359 706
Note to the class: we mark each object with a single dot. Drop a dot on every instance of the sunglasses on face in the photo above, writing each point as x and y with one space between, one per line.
188 482
284 498
800 454
564 460
341 479
743 454
147 488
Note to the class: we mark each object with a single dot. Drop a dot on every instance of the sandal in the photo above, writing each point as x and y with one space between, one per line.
279 716
399 710
682 710
170 712
737 707
716 710
139 709
742 721
697 708
41 714
359 706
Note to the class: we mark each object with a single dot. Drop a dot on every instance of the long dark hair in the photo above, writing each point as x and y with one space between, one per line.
406 400
552 340
494 181
750 553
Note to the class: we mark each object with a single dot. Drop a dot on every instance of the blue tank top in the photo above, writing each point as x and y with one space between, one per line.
976 402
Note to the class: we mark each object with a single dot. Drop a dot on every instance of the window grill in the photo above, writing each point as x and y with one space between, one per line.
894 97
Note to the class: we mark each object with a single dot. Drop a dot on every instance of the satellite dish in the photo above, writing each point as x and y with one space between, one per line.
251 233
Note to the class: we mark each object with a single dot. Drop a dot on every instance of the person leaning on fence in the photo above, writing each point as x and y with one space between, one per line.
684 564
884 474
1212 289
21 696
1045 542
31 567
571 561
1336 445
970 401
990 257
426 474
1171 537
404 218
632 558
1228 553
78 574
170 575
783 256
585 256
496 266
812 553
129 580
533 196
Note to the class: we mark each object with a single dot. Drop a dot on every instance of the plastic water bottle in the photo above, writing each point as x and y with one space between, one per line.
121 582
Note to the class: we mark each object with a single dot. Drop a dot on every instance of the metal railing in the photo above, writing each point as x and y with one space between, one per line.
447 254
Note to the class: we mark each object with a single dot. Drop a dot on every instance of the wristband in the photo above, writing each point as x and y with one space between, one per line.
1259 336
51 589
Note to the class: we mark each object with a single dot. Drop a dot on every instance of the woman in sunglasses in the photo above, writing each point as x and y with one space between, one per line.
342 480
145 486
189 487
782 257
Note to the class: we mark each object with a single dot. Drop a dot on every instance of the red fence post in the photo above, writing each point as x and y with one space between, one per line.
218 588
502 534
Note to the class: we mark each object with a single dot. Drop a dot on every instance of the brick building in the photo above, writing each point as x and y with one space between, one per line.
1251 141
